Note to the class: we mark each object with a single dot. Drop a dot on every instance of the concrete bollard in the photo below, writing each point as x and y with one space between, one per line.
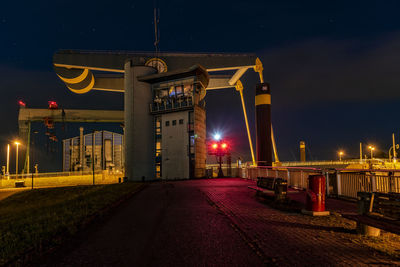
365 205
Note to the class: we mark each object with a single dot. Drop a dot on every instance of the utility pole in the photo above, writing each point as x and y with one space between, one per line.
229 161
16 160
93 146
220 173
394 149
8 159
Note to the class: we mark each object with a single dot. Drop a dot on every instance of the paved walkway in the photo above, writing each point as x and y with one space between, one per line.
6 192
216 222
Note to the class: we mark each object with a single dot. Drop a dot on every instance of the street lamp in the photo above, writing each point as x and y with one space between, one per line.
394 153
217 136
372 148
341 153
16 159
8 159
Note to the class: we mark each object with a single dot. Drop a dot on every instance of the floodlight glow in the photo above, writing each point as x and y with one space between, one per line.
217 136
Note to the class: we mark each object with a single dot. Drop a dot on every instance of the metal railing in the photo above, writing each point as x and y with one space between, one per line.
57 179
340 182
47 174
55 174
296 177
349 183
318 163
334 162
171 104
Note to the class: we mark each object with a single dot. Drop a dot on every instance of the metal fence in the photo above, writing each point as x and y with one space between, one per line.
349 183
47 174
57 179
296 177
340 182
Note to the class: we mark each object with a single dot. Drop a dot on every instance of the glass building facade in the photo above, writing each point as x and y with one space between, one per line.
107 152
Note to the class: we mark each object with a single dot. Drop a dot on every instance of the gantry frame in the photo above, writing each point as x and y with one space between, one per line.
79 71
28 115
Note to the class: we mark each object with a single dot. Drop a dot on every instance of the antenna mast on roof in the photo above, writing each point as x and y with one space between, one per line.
156 30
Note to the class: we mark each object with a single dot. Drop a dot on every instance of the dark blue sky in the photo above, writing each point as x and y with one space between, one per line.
333 65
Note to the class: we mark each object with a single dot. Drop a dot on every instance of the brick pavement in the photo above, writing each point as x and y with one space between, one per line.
290 239
214 222
166 224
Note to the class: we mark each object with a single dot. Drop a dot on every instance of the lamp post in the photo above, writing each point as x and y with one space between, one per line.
16 159
394 149
8 160
372 149
340 155
394 159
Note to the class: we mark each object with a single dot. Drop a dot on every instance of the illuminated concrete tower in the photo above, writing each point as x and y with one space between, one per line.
139 128
179 122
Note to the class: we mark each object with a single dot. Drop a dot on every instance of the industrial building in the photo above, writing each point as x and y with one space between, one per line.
108 153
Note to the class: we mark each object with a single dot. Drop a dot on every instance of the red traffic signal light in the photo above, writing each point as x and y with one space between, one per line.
218 148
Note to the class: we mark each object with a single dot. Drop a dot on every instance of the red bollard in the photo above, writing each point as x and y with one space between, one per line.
315 198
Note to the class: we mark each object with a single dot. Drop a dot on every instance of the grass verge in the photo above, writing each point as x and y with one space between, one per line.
34 220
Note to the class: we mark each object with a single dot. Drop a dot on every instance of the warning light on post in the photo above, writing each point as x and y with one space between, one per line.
21 103
53 105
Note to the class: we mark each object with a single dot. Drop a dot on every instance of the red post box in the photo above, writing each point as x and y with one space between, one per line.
315 200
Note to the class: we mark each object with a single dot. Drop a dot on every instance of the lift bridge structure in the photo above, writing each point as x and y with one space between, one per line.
173 84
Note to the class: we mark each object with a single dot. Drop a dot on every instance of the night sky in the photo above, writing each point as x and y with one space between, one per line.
333 65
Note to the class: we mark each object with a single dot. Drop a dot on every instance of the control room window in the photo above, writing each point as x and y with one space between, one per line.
167 123
188 89
172 91
178 90
174 122
181 121
161 94
158 125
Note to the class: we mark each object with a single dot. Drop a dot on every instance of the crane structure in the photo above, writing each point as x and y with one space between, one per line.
28 115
